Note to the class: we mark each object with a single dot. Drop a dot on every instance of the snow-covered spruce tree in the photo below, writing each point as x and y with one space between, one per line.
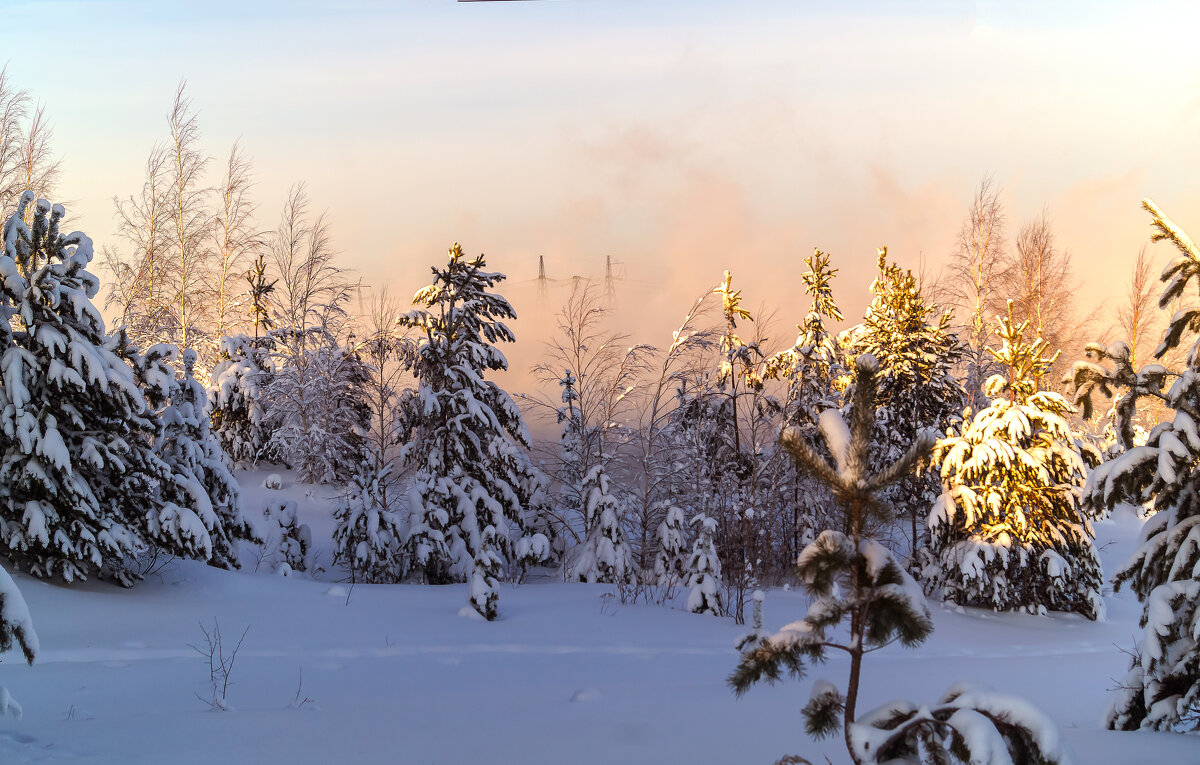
1162 688
201 477
571 456
809 368
854 579
259 292
605 556
466 495
917 353
704 570
367 537
169 509
540 543
16 627
67 407
243 369
670 560
1007 533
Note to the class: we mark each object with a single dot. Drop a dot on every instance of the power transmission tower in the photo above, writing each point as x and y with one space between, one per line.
610 285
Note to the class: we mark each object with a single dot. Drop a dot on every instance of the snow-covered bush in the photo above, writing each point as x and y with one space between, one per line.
704 571
367 537
273 481
968 725
604 556
1007 533
16 627
295 538
670 560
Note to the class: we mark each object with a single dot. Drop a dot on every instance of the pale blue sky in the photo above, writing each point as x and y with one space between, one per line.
681 138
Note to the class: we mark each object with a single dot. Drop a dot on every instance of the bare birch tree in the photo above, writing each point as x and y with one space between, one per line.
190 227
38 168
14 111
1040 282
1137 318
970 281
312 290
235 240
140 278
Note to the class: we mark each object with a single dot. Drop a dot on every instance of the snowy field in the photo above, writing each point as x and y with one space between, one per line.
395 673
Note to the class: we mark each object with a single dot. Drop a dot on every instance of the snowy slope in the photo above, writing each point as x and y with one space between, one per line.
395 674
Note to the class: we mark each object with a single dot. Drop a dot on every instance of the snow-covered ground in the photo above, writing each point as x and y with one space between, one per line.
396 674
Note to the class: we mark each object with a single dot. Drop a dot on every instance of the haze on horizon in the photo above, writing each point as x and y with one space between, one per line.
679 138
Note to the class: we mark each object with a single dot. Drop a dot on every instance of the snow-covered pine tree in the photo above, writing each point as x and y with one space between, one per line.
1162 689
244 368
704 570
16 627
465 448
670 560
367 536
1007 533
917 353
67 407
854 578
605 556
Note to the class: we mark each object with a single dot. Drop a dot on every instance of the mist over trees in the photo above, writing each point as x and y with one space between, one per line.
710 460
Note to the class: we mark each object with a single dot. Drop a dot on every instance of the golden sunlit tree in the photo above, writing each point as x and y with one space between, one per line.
1007 532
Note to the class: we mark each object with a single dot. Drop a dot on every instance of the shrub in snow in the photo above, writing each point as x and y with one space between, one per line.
854 579
484 591
757 636
1007 533
273 481
704 571
469 484
16 627
968 725
533 550
604 556
670 560
367 535
1162 688
295 538
68 408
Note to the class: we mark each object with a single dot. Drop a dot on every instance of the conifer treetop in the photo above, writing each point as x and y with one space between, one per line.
1025 361
817 283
